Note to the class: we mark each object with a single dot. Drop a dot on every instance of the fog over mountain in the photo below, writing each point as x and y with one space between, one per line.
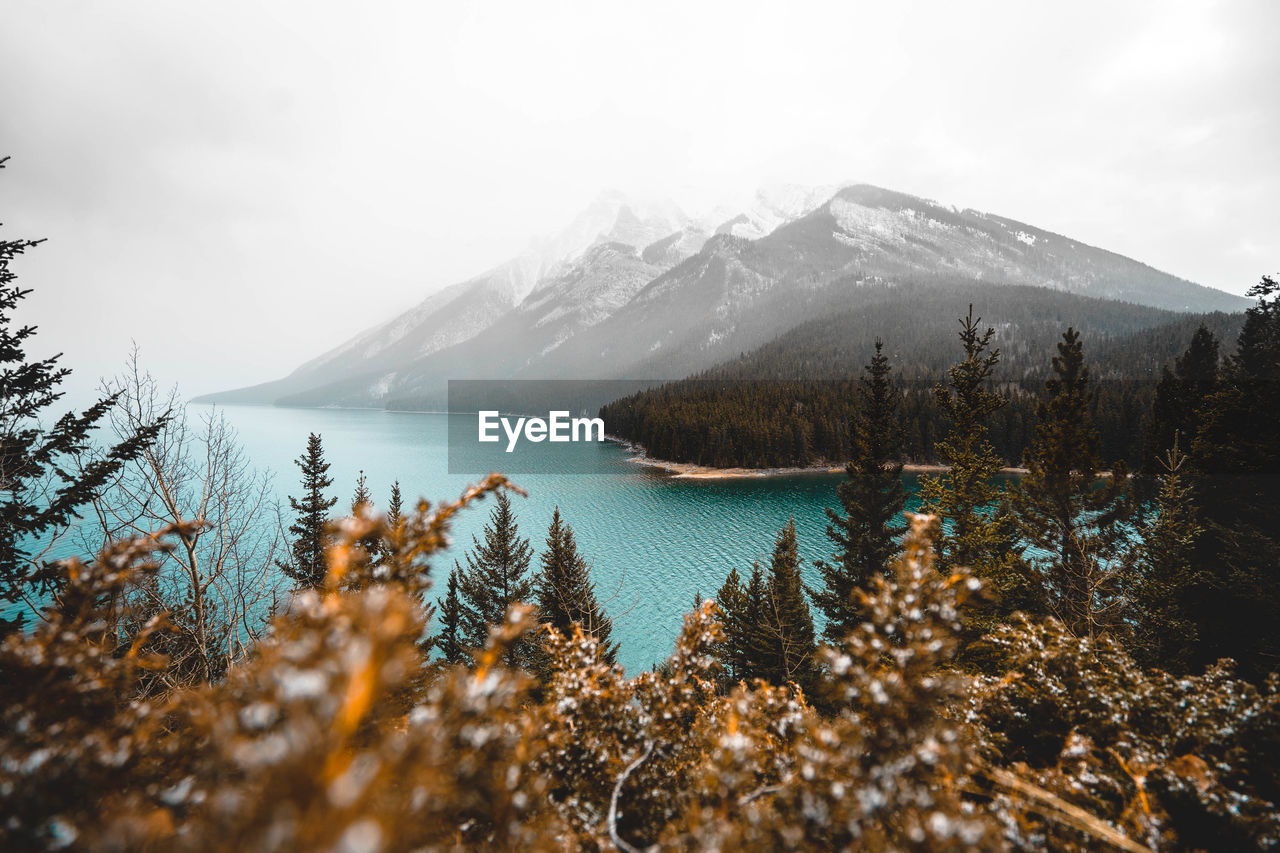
640 288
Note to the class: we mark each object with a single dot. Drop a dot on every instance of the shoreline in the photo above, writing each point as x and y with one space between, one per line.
675 470
690 471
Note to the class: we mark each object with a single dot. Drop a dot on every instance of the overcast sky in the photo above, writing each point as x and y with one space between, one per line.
242 185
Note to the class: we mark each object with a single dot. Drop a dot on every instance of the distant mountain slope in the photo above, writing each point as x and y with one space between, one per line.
737 294
789 401
768 208
900 231
710 296
1122 340
365 366
583 294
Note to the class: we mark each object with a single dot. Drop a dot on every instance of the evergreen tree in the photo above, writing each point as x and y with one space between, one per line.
974 535
746 648
566 596
496 576
362 502
1179 395
1236 462
361 498
395 511
43 480
307 568
1062 511
1164 632
751 643
450 639
784 644
394 522
872 498
732 651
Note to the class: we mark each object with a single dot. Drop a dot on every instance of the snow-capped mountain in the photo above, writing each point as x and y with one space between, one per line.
585 293
737 294
639 289
770 207
462 311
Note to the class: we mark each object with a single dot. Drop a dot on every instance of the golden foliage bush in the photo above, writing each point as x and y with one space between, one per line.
338 732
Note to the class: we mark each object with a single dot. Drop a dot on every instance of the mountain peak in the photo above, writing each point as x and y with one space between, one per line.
612 216
870 195
635 284
769 207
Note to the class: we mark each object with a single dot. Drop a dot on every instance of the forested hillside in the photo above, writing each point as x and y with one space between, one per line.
788 403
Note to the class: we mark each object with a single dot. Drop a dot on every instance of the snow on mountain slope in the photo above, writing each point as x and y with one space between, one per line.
473 305
737 294
462 311
898 234
638 289
586 291
674 248
770 207
468 307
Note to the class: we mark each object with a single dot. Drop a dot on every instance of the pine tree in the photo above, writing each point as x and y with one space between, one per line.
1061 509
1236 462
362 502
394 526
974 535
872 498
751 643
449 641
566 596
784 644
1164 633
361 498
732 651
1180 394
307 568
496 576
395 511
746 648
43 480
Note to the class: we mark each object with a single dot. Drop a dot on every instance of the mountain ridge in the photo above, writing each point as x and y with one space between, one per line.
677 295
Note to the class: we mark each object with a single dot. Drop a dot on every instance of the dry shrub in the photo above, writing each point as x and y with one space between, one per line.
1172 762
337 733
303 746
760 768
313 756
885 771
75 739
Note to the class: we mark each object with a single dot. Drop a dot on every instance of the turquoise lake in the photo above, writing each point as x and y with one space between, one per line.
653 541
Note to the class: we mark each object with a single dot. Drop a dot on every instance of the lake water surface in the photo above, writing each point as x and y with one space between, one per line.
653 541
